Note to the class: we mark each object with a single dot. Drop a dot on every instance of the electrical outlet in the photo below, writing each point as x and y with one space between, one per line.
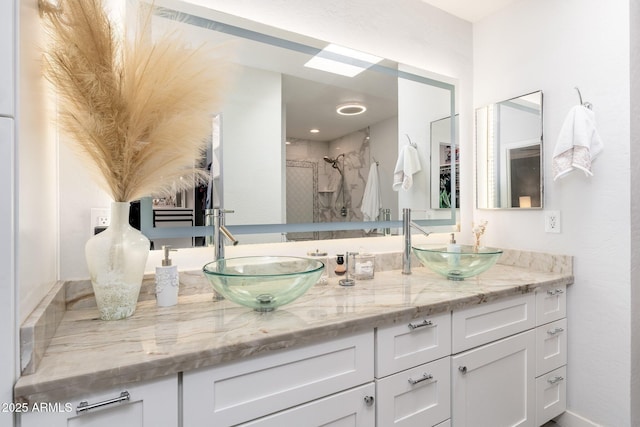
552 221
100 217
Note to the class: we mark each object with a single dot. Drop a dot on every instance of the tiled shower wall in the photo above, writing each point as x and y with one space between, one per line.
329 198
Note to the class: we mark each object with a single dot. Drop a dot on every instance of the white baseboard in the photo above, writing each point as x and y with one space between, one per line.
571 419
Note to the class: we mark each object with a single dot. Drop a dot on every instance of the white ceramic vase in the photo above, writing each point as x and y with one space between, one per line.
116 259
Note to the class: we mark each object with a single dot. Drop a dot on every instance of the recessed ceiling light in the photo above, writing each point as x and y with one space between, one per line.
341 60
350 109
314 130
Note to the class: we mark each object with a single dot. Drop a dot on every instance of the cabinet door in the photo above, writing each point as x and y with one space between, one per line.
417 397
494 385
149 404
351 408
403 346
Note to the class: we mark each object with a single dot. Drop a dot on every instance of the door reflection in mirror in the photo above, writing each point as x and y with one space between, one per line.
509 154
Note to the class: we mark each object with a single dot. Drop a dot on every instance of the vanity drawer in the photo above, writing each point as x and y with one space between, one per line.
551 304
484 323
551 346
240 391
354 407
551 395
410 344
420 396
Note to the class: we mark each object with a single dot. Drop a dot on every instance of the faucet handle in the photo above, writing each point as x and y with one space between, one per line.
218 211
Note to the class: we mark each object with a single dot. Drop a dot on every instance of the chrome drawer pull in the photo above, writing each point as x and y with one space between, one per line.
85 406
422 324
555 292
368 400
555 331
425 377
462 369
555 380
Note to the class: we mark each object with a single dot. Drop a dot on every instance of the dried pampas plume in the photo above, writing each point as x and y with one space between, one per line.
139 110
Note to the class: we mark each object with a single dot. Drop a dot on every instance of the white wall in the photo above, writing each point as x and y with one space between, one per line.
554 46
37 244
253 157
635 210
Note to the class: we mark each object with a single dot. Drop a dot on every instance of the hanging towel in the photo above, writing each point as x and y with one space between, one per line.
578 143
371 200
407 165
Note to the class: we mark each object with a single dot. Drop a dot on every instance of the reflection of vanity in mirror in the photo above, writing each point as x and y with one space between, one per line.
509 153
296 141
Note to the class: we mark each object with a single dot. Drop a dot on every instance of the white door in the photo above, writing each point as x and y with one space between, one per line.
494 385
7 266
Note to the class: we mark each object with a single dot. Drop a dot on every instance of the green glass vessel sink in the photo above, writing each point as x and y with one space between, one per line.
469 262
263 282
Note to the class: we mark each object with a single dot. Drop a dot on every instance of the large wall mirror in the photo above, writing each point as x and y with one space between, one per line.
509 154
303 129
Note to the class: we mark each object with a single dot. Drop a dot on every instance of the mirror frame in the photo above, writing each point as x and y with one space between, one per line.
146 208
480 158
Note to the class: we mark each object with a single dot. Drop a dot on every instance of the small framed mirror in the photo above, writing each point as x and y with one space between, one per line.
509 172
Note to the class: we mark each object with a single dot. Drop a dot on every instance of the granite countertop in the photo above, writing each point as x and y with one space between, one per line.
86 354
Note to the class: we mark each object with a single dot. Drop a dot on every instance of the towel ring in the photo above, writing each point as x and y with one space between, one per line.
584 104
410 142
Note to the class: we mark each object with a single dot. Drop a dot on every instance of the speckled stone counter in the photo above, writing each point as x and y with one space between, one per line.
86 354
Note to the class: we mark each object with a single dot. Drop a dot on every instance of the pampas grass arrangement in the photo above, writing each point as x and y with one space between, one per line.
138 110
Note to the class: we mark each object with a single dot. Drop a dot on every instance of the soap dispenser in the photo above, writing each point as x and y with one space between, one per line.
453 248
167 281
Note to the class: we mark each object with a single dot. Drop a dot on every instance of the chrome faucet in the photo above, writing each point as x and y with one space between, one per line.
220 232
406 231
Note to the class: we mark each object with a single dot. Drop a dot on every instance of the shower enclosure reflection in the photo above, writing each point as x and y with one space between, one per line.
340 178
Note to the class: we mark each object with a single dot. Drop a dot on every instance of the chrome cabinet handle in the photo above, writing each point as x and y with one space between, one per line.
422 324
462 369
86 406
553 292
555 331
424 377
554 380
368 400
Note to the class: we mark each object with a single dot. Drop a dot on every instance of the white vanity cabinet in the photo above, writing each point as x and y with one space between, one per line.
249 389
144 404
412 372
493 366
508 366
551 353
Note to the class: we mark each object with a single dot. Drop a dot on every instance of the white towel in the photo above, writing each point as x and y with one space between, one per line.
407 165
578 143
371 200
